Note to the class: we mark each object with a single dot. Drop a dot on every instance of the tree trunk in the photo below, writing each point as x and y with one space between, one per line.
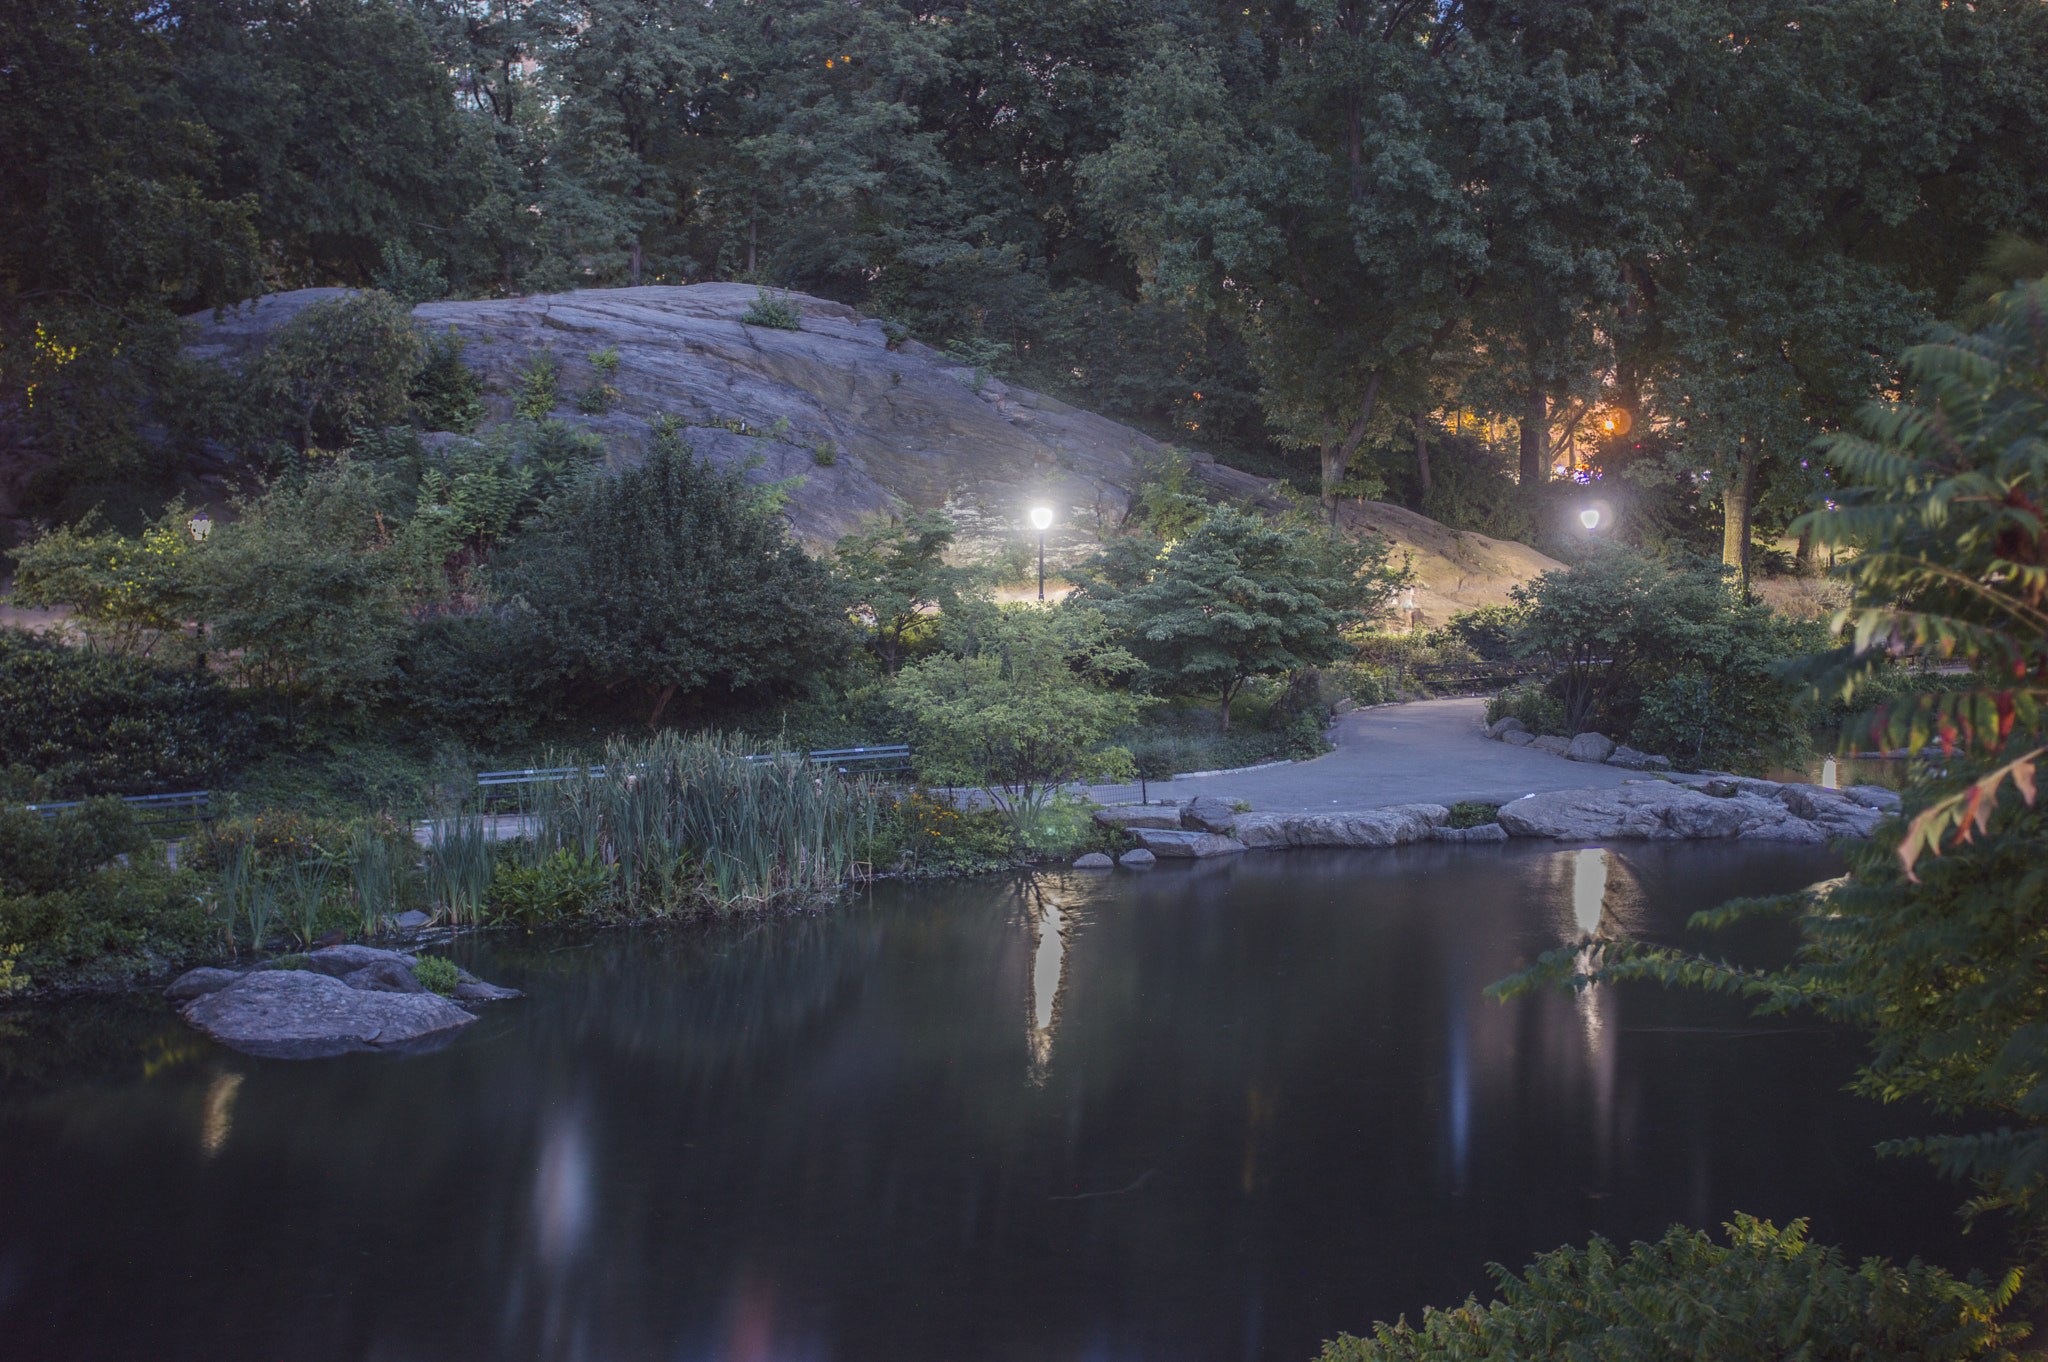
1336 455
1422 452
633 262
1535 470
666 693
1227 691
753 219
1735 513
1807 556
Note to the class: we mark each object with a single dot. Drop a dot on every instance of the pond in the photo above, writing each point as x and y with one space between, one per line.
1214 1111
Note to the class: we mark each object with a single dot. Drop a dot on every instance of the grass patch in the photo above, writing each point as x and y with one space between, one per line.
1470 813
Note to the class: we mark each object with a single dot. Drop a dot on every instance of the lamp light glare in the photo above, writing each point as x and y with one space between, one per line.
1041 518
1590 518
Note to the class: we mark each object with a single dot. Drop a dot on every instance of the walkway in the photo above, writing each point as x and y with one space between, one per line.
1427 752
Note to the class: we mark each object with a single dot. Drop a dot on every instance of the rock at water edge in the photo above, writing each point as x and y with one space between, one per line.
1094 860
1207 814
1139 858
197 983
1181 845
1360 828
1138 816
298 1014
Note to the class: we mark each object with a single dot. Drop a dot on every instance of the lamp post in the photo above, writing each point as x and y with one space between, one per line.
1041 517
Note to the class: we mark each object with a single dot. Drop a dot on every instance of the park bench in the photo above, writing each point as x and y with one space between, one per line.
191 806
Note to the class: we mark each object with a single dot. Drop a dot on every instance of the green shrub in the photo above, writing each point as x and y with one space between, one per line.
1487 632
112 928
410 277
922 833
778 313
565 885
39 855
1768 1293
1472 813
475 678
823 454
540 387
91 724
1533 704
340 363
447 395
275 836
436 975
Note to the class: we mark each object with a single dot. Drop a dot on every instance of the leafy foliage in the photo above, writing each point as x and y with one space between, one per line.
1674 659
1027 708
896 576
112 929
447 395
1947 508
40 854
130 595
341 363
675 576
540 387
93 724
1235 597
780 314
436 974
1768 1293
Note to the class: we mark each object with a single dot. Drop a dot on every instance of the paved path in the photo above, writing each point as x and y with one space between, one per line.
1428 752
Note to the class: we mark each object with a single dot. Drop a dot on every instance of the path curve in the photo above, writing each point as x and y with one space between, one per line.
1425 752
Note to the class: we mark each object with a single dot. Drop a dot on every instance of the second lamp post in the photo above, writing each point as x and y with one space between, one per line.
1041 518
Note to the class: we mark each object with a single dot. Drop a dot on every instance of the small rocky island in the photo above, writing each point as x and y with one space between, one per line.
332 1002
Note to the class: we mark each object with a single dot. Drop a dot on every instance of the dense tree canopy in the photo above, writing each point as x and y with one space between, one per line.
1341 232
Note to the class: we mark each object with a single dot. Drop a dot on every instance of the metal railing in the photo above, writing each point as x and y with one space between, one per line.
845 760
191 806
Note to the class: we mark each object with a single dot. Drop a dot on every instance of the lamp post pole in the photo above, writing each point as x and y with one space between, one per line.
1041 517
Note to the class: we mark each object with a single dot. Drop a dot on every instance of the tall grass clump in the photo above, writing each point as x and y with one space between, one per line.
460 864
711 821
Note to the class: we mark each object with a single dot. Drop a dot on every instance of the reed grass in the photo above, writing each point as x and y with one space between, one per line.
377 873
460 865
709 821
305 883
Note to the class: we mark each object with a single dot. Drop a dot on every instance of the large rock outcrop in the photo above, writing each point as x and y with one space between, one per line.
1394 826
870 426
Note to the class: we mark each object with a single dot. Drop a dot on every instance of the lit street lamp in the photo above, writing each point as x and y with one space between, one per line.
1041 517
1590 518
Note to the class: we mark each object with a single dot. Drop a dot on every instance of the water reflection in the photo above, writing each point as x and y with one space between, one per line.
1282 1109
1048 971
219 1115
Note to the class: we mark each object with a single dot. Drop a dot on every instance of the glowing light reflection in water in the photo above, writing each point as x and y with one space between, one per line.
1048 966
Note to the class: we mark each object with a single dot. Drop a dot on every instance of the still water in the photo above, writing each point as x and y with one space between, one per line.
1205 1112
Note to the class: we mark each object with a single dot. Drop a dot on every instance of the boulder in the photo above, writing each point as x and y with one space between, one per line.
1094 860
1485 832
1516 737
1128 816
1186 844
1874 797
1208 814
1661 811
1359 828
1137 858
342 961
197 983
384 976
1628 758
1594 747
302 1014
1551 743
470 989
1501 727
412 920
